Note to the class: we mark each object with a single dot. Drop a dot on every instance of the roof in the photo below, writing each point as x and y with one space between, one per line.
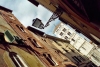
5 9
56 38
35 30
34 2
45 35
56 27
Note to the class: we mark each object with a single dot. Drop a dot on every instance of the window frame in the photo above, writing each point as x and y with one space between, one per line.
64 30
20 28
61 33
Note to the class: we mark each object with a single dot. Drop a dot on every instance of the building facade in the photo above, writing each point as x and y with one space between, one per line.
62 48
76 14
94 56
27 49
19 52
78 42
64 32
33 49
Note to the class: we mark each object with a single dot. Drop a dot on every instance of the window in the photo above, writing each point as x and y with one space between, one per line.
57 30
81 58
57 43
50 59
64 29
76 59
69 33
95 57
83 48
12 18
35 43
21 28
61 33
66 37
73 40
18 61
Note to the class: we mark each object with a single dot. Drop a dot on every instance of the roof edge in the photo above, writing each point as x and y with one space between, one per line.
5 9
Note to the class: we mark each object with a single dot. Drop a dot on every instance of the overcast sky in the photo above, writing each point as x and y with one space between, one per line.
26 12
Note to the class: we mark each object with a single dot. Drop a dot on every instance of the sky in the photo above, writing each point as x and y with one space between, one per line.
26 12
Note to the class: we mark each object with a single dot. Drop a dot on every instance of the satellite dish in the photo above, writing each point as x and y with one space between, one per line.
8 36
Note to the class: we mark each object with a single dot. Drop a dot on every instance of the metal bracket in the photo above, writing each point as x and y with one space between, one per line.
58 12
